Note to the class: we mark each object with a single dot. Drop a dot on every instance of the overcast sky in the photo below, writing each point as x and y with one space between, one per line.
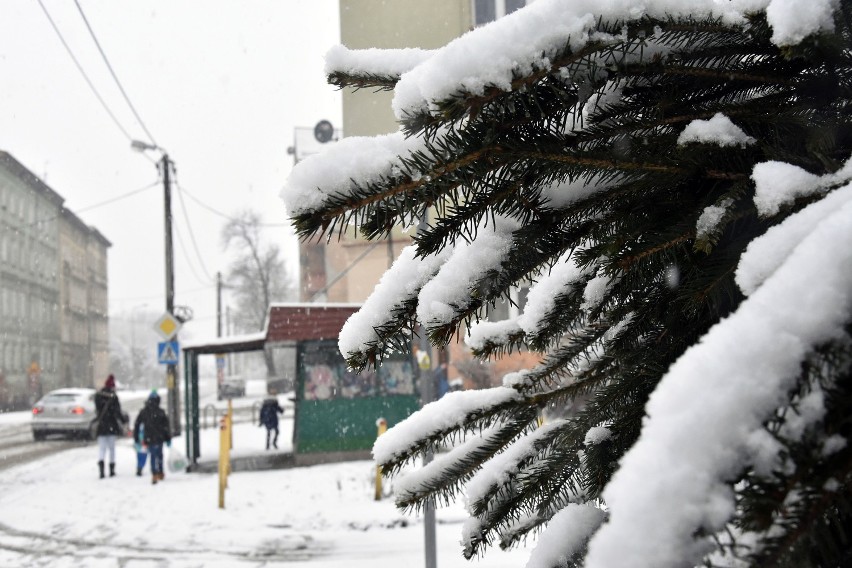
220 84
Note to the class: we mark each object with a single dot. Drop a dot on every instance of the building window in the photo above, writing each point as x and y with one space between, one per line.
504 309
485 11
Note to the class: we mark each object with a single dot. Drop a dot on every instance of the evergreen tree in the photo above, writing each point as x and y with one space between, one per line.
676 181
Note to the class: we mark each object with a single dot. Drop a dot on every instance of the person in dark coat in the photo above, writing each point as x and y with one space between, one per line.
442 383
269 411
152 427
111 423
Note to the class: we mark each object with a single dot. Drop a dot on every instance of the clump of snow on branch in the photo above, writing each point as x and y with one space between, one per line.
596 435
596 290
778 184
809 410
484 332
541 299
710 218
561 195
446 413
450 291
832 444
764 255
791 24
392 62
342 167
718 130
702 413
566 535
401 282
517 379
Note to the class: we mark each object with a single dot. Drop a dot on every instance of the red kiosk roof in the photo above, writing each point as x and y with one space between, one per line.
306 322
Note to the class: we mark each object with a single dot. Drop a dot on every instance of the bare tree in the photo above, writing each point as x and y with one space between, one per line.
257 276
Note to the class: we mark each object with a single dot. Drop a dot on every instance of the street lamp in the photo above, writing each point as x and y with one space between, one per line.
171 369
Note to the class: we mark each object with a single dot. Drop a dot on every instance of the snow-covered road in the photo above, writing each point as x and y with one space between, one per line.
55 512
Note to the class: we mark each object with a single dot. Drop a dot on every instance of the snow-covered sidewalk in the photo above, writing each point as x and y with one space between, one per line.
56 512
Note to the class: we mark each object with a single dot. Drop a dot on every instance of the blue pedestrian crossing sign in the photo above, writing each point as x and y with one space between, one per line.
167 352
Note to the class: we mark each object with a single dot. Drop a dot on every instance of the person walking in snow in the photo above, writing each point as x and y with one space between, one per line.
269 411
111 422
153 428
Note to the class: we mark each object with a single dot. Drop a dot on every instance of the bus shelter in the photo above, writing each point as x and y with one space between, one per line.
336 410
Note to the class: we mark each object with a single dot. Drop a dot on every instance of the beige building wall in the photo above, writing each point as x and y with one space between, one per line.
395 24
348 269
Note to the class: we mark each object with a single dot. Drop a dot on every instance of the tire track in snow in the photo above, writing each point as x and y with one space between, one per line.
38 547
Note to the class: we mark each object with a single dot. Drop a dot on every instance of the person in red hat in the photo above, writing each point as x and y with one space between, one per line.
111 422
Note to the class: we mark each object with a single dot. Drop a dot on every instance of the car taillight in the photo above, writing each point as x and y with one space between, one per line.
38 409
77 410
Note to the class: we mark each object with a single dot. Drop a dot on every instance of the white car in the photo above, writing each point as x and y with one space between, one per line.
68 411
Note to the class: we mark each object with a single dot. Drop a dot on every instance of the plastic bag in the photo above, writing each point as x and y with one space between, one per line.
177 461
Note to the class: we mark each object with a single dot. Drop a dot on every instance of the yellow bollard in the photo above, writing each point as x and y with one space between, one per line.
230 424
382 425
223 459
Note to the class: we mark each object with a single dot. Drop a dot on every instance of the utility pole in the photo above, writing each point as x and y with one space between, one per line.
228 332
172 383
218 304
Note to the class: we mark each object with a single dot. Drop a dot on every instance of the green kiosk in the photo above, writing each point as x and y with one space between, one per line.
336 410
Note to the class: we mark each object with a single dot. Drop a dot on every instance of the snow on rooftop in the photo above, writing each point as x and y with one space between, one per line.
227 340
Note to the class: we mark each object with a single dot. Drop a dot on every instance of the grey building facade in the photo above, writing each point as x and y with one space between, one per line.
53 291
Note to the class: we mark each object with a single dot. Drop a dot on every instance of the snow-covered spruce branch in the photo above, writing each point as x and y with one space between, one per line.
542 474
734 401
579 523
493 338
387 313
543 321
378 69
439 421
502 469
362 194
441 479
565 35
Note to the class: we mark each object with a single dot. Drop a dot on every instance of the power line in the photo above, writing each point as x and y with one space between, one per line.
83 72
224 215
112 72
191 233
186 256
119 197
95 205
158 296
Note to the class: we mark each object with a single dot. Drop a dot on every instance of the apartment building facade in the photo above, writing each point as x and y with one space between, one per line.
53 291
